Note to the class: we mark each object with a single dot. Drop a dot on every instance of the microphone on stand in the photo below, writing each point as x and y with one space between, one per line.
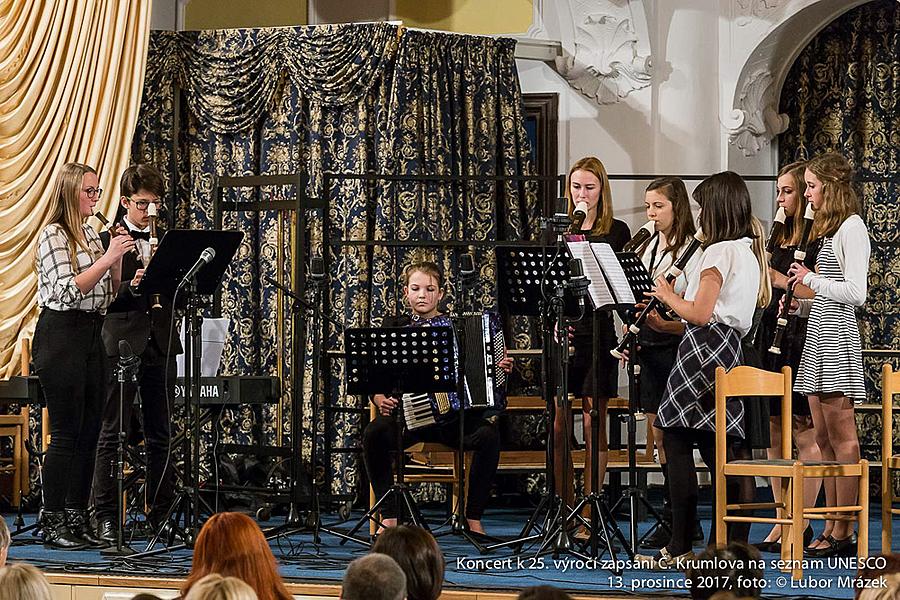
205 258
579 214
643 234
467 269
317 268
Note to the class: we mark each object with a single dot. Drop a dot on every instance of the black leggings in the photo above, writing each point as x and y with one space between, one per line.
481 436
69 360
682 471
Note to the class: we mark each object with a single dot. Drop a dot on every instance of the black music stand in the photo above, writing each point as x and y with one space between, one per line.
640 280
533 281
179 252
636 282
401 360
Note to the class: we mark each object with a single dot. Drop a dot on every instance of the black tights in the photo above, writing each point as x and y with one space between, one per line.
679 445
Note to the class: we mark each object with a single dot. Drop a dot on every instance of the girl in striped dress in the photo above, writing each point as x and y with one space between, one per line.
717 309
831 370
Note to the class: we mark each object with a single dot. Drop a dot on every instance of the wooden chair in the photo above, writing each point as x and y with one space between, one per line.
424 454
890 385
15 426
751 382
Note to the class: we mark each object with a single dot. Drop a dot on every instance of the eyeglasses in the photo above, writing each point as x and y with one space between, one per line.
143 204
93 192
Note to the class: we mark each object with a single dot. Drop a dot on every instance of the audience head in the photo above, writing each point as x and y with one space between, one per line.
233 545
5 541
543 592
876 567
145 596
587 181
216 587
724 207
734 568
23 582
374 576
418 554
830 191
887 589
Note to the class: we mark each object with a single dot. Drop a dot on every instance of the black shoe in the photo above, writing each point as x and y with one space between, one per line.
79 525
55 533
106 530
698 533
844 547
773 546
659 538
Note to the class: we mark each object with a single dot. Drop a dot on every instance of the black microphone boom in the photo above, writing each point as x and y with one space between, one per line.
205 258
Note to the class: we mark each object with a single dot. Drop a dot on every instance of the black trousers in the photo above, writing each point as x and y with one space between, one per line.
682 481
70 361
480 435
156 426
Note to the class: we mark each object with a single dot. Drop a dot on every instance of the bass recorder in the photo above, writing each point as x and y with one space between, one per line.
484 383
674 271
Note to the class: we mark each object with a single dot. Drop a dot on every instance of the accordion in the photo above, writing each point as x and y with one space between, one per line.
484 383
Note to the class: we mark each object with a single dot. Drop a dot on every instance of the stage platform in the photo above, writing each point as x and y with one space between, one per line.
316 571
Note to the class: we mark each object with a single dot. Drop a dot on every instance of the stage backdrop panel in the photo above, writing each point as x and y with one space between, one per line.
370 98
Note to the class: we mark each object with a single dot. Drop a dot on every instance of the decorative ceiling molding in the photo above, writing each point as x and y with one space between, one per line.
602 56
750 9
756 120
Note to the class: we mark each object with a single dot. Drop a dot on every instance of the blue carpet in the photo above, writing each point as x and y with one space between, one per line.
303 561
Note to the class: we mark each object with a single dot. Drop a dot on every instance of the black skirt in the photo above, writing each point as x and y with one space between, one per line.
656 358
587 358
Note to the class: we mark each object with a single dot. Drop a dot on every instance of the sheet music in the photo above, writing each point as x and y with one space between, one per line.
597 290
615 276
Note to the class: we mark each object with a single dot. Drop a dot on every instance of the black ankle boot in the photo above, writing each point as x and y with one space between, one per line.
55 533
79 525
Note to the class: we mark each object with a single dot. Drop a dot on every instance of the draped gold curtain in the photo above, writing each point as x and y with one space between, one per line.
71 77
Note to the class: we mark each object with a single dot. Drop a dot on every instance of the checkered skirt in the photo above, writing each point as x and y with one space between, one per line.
690 398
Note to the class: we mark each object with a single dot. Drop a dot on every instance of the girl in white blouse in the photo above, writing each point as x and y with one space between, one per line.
668 207
717 309
76 282
831 370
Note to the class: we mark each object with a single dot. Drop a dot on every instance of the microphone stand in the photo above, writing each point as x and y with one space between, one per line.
293 523
127 371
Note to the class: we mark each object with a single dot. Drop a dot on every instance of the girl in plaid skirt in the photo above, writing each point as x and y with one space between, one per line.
717 309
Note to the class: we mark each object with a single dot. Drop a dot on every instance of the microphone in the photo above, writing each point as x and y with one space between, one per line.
205 258
126 355
317 268
642 235
467 266
578 283
579 214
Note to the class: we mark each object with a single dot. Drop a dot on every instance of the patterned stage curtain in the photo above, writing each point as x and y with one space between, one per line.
343 98
841 94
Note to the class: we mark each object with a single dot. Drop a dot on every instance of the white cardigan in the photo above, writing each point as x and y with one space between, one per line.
852 249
